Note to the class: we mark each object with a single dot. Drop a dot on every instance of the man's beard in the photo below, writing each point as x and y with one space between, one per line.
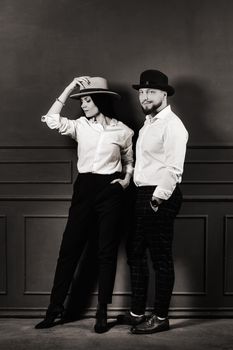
153 110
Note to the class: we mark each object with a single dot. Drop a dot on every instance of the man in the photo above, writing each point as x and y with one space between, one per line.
160 153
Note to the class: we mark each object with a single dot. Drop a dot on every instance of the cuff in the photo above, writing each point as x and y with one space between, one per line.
162 193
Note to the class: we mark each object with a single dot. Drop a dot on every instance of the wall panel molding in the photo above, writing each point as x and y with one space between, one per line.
38 147
208 163
226 263
186 198
36 198
187 293
113 311
15 168
205 255
26 218
3 218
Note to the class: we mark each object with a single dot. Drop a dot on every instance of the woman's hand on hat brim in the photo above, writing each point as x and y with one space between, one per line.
82 81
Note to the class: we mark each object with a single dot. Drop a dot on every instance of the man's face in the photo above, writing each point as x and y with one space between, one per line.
151 100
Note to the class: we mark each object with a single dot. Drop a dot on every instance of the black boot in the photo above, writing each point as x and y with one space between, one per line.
53 312
101 325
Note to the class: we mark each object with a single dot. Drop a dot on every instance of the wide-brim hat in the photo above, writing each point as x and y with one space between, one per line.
154 79
95 85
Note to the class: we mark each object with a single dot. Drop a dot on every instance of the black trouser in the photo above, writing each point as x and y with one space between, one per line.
94 198
152 230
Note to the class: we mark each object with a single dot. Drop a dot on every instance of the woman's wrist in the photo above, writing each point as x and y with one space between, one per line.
70 87
59 100
64 95
127 176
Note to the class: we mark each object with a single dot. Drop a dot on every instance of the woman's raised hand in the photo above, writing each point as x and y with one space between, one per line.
81 81
60 101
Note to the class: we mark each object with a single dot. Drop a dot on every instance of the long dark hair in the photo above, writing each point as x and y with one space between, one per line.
104 103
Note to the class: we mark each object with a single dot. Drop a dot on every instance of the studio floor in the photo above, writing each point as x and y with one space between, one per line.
190 334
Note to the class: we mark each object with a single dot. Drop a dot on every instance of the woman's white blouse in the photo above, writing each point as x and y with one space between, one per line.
101 150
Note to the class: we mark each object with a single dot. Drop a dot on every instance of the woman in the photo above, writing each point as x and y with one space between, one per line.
105 166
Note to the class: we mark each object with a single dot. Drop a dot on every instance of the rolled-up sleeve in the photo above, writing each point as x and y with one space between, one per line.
127 154
175 141
64 125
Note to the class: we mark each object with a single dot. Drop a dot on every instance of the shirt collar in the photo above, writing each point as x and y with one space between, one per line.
161 115
111 121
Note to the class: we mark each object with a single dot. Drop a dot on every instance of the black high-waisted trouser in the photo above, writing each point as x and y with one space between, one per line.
152 231
94 198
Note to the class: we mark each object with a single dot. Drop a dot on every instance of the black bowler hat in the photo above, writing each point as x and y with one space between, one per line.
154 79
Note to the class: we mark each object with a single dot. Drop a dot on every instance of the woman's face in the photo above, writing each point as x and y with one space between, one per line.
88 107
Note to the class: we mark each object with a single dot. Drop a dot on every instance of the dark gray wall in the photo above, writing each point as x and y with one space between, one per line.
44 44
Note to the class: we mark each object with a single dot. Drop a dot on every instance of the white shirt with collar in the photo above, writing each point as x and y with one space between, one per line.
101 150
160 153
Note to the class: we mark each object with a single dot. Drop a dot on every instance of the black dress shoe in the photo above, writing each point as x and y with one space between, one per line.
129 319
101 325
52 314
151 325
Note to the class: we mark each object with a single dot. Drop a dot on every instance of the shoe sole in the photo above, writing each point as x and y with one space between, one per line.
149 332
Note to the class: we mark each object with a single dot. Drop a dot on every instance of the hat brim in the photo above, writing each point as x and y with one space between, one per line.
169 89
88 92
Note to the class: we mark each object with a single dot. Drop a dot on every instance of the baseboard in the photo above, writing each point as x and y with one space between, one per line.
113 312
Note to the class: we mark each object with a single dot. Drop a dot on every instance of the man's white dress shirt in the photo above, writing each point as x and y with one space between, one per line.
160 153
101 150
